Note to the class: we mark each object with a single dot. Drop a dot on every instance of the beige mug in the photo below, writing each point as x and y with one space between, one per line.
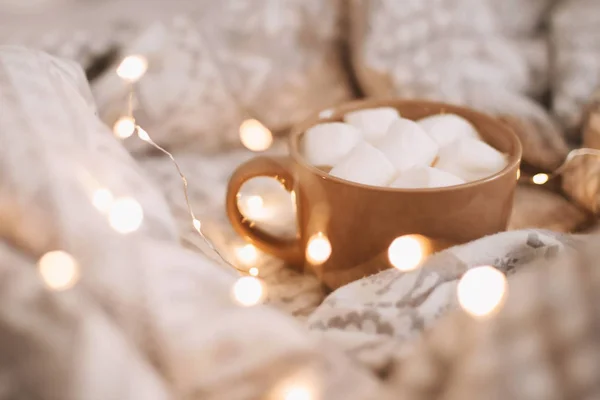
361 221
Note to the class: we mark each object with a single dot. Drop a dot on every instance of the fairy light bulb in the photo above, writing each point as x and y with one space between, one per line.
318 249
142 134
132 68
540 179
102 199
481 291
254 206
255 202
197 224
125 215
248 291
247 254
297 393
124 127
518 173
406 252
253 271
58 270
255 136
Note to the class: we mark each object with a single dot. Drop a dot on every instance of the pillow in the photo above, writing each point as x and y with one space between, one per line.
581 182
575 29
457 51
231 60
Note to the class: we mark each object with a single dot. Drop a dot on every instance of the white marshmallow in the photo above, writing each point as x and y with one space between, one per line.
407 145
365 164
372 122
471 159
447 128
425 177
326 144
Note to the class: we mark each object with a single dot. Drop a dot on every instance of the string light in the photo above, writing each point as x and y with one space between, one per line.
481 291
102 199
125 215
124 127
142 134
132 68
255 202
255 136
318 249
253 271
247 254
540 179
254 207
58 270
248 291
301 384
406 252
297 393
197 224
518 173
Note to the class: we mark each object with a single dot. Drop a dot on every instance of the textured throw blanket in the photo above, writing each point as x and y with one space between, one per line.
150 319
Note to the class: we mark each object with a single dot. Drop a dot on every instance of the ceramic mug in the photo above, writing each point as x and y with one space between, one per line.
361 221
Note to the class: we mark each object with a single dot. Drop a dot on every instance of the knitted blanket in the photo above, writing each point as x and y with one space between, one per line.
151 314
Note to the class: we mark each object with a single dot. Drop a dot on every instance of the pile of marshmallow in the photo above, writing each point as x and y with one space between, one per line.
380 148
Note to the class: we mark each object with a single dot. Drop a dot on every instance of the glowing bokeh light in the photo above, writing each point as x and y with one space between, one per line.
132 68
253 271
125 215
518 173
58 270
197 224
318 249
248 291
124 127
254 206
297 393
407 252
142 134
481 291
247 254
540 179
255 136
102 199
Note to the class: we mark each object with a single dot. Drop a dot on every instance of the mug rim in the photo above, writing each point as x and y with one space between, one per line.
355 105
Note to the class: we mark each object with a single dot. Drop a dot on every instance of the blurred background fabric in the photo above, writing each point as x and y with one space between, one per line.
534 63
160 304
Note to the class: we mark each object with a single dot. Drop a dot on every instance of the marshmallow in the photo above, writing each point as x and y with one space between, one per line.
407 145
326 144
365 164
447 128
372 122
471 159
425 177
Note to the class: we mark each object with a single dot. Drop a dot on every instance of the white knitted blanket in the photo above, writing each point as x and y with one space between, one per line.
149 318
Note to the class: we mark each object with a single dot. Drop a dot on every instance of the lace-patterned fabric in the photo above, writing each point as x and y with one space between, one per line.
401 305
576 74
213 63
231 61
456 50
581 182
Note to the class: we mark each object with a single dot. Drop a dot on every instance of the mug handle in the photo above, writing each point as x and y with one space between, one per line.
279 168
